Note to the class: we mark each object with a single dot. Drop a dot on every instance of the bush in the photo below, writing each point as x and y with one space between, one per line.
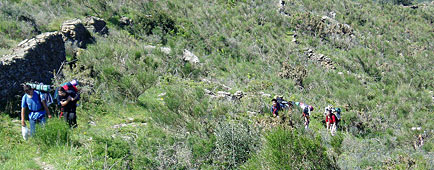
235 144
56 132
287 149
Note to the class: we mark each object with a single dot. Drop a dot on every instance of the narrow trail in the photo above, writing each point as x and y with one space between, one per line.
44 165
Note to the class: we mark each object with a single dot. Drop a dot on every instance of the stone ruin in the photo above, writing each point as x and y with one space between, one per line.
96 25
325 61
75 32
33 59
37 59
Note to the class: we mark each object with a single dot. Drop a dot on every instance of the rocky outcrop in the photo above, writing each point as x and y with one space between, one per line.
335 27
325 61
225 95
75 32
96 25
190 57
125 21
33 59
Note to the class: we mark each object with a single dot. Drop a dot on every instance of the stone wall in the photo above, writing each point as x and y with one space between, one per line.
33 60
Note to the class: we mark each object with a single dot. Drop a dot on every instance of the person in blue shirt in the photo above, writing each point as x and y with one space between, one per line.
37 107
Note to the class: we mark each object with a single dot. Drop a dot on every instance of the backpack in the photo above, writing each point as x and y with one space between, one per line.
338 113
282 102
306 110
70 87
35 114
42 90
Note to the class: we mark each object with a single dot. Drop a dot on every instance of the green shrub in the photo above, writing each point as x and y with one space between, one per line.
288 149
235 143
56 132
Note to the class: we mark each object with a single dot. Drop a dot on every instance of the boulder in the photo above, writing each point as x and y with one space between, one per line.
33 60
238 95
190 57
96 25
125 21
75 32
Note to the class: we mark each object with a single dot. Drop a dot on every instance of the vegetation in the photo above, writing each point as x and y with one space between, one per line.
145 108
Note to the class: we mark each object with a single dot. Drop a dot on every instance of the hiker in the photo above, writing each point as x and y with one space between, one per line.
68 102
327 110
283 104
36 104
275 108
331 122
419 142
306 113
337 112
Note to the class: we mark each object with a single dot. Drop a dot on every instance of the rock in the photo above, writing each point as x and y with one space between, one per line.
332 14
321 58
264 94
125 21
238 95
92 123
334 27
208 92
165 50
223 94
149 47
281 6
75 32
96 25
252 114
119 126
190 57
33 60
416 128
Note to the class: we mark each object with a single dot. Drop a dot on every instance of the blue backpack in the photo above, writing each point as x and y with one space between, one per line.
338 113
42 90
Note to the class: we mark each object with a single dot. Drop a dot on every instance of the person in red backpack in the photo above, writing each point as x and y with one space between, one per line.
68 103
331 121
275 108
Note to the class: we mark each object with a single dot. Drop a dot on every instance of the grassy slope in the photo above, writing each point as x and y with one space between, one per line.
387 68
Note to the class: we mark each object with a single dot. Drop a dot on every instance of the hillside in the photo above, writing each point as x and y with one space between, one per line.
188 84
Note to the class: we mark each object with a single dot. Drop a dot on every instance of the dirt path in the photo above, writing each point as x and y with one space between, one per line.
44 165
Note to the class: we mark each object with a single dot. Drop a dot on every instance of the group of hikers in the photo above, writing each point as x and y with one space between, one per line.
37 98
332 115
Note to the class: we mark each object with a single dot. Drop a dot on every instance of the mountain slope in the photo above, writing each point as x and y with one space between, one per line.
145 107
